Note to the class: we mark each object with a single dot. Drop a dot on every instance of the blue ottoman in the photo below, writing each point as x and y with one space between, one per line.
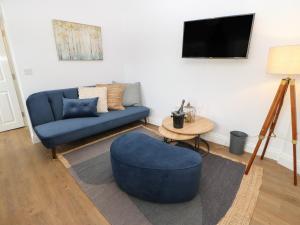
152 170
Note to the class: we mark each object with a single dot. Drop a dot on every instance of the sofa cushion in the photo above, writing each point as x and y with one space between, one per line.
39 109
74 108
68 130
55 99
115 94
93 92
56 103
132 94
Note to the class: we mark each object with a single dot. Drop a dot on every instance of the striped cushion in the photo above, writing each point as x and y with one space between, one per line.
114 95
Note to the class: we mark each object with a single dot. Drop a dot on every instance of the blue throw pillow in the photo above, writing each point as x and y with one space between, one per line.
73 108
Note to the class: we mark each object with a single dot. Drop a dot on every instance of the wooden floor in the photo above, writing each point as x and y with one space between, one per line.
36 190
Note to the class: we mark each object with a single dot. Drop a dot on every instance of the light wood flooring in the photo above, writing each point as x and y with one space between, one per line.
36 190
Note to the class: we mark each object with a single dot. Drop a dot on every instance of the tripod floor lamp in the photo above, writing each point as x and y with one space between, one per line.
283 60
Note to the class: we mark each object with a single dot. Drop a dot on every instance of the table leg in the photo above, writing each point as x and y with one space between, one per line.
198 140
196 146
167 140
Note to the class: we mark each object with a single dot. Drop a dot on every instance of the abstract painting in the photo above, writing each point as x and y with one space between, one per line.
76 41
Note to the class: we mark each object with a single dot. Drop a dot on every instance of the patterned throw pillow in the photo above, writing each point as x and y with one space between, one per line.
74 108
95 92
114 95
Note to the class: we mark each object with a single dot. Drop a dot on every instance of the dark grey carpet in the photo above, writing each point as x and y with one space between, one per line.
220 181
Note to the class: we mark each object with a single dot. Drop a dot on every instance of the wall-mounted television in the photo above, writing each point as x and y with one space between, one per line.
223 37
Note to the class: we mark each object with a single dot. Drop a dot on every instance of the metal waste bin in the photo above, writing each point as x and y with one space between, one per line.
237 142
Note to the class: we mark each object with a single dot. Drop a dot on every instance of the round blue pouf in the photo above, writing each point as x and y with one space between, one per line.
152 170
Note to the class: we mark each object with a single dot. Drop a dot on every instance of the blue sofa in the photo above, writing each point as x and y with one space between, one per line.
46 114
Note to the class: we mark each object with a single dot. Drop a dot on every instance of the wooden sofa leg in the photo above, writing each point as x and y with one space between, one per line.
54 153
145 121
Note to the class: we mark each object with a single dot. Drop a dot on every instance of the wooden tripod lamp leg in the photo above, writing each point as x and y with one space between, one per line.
273 125
270 117
261 137
294 126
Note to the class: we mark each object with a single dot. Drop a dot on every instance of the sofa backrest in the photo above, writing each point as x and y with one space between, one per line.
47 106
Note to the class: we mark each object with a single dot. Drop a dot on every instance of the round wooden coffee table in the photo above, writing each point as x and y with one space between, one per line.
190 131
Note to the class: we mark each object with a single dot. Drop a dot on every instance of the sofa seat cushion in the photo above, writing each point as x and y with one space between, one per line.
68 130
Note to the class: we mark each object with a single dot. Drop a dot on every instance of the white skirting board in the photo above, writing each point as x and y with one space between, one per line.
272 152
34 138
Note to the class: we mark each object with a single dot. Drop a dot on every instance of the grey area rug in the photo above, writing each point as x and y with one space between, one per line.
220 181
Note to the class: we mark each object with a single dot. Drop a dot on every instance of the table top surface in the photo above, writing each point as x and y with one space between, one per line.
201 125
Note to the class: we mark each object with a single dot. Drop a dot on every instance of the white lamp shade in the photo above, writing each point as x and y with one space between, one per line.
284 60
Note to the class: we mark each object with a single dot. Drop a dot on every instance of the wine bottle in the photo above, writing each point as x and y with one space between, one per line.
180 110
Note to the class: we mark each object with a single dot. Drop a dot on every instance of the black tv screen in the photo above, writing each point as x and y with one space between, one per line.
224 37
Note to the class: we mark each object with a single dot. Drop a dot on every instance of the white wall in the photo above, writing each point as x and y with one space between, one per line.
142 41
235 93
29 28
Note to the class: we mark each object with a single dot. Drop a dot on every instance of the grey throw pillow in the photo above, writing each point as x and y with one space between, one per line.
132 94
